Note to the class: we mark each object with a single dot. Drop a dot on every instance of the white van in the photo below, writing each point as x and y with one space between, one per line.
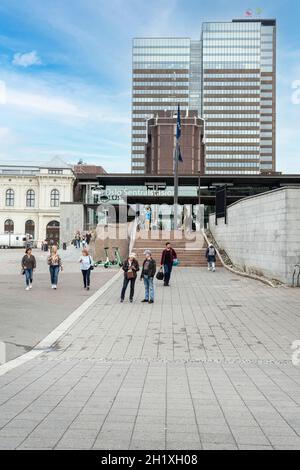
12 240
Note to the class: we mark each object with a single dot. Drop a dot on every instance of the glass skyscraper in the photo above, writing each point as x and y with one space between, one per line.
162 78
238 96
228 76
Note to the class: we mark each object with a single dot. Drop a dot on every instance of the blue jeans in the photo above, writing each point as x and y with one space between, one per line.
149 287
28 276
167 273
54 270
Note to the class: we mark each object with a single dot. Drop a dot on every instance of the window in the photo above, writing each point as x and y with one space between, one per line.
8 226
29 228
30 198
10 197
55 172
54 198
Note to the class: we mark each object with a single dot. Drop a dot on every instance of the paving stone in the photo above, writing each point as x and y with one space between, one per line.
143 383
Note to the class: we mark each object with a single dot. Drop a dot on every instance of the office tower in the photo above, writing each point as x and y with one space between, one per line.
238 96
229 77
164 74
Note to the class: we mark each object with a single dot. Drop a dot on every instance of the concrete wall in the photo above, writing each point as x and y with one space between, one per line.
71 220
263 233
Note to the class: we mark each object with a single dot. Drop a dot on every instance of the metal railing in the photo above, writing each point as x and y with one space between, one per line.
296 268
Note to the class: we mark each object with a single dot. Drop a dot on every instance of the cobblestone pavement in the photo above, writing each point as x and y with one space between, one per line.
207 366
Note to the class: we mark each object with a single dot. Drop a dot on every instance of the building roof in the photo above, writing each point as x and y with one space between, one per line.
87 170
55 162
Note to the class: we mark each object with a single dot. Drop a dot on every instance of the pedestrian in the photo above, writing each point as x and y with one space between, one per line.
88 238
167 258
55 265
211 253
28 265
86 266
148 273
148 218
77 240
130 268
42 245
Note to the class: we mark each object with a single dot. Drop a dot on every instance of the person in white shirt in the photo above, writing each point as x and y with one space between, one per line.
86 266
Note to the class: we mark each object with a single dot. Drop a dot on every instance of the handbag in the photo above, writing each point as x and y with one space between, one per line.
175 262
91 267
130 274
160 275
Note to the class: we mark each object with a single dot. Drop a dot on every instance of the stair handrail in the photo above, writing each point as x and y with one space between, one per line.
297 266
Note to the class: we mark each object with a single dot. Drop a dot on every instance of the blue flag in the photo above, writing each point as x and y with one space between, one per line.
178 130
178 135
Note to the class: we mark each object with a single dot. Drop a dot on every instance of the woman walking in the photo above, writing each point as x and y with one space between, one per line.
148 273
55 265
130 268
28 265
86 266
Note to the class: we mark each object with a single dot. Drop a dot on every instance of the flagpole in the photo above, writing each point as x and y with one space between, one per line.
176 187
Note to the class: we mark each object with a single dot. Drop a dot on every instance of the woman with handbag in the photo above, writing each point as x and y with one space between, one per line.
28 265
55 265
130 268
86 266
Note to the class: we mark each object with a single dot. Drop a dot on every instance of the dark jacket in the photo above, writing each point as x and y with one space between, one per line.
28 262
152 268
163 257
134 266
211 257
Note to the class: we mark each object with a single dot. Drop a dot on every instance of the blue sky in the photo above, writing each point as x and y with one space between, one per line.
65 73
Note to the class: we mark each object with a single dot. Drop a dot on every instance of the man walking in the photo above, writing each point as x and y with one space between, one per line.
211 253
167 258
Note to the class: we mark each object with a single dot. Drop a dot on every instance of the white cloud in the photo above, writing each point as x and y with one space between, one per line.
27 59
42 103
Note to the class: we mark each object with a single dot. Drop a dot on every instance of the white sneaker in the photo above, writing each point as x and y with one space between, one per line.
27 288
54 287
30 287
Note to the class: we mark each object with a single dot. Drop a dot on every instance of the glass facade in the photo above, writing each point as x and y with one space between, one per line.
228 76
238 83
166 71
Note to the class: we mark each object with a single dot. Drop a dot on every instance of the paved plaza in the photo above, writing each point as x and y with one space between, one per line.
207 366
27 317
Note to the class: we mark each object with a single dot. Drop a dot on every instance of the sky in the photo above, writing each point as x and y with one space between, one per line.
65 73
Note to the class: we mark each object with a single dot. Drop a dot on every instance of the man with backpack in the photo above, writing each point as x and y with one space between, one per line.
211 254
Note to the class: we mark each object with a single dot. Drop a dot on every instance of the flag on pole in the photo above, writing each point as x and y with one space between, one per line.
178 135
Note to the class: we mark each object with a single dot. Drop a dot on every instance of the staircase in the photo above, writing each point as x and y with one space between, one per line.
189 252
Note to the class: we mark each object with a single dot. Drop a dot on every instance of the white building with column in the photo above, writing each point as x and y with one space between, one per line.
30 197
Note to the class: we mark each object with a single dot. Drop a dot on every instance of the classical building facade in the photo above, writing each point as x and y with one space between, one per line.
30 198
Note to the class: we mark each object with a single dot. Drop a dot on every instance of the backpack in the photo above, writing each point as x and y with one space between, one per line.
211 251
